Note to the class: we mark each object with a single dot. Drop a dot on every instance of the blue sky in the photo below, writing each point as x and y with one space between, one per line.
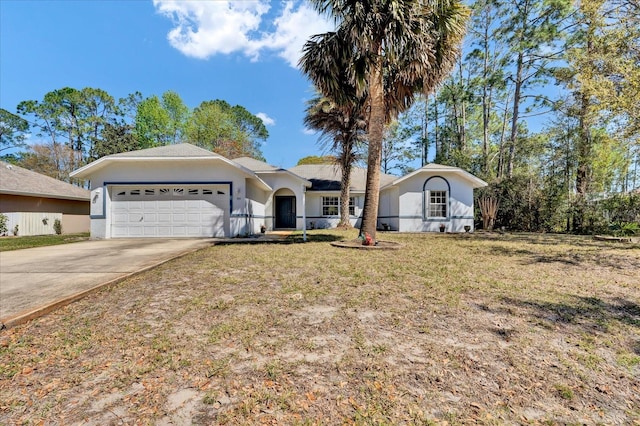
244 52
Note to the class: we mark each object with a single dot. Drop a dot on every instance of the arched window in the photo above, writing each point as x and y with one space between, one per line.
435 199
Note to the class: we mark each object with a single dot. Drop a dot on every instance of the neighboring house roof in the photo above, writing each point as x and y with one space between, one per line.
262 168
440 169
16 180
327 177
183 151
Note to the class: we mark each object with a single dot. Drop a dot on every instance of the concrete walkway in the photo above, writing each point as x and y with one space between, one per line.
35 281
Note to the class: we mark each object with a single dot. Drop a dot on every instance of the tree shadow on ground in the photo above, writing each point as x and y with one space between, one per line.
588 313
549 239
313 238
568 258
288 239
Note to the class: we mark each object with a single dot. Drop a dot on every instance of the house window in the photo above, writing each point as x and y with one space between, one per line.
193 191
436 204
178 191
331 206
149 192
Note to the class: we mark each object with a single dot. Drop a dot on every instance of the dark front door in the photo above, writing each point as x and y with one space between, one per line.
285 212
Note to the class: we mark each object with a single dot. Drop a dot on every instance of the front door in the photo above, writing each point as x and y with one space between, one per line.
285 212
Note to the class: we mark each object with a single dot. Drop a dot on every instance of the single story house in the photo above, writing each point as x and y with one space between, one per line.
33 202
323 198
186 191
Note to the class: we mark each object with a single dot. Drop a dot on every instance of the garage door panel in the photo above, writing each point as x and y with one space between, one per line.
164 231
135 231
150 217
179 231
178 217
163 205
195 217
193 231
150 231
134 205
164 218
173 212
134 218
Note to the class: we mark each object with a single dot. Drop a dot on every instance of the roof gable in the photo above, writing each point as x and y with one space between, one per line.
263 169
434 169
20 181
183 152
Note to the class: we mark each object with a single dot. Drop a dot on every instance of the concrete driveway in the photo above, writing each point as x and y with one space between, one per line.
37 280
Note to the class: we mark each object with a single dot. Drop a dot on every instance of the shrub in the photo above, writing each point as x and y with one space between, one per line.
57 226
3 224
15 230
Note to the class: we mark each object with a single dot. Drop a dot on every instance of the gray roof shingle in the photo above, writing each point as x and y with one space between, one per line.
326 177
19 181
177 150
255 165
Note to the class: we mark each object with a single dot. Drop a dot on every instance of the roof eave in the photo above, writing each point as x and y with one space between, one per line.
44 195
85 171
304 181
475 182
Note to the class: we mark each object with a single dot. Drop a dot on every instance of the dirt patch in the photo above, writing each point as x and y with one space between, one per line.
500 330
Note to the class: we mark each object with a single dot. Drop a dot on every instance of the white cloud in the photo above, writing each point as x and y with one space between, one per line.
293 29
205 28
308 131
268 121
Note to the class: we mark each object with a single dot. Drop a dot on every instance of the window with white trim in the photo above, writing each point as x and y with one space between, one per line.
331 206
436 204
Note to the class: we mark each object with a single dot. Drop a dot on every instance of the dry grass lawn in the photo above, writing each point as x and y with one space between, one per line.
451 329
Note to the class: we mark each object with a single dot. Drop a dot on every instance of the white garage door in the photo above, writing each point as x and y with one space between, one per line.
170 211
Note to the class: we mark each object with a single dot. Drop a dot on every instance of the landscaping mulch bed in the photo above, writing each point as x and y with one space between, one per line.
482 329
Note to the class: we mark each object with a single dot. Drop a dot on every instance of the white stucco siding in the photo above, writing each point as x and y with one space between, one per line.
411 216
283 184
388 208
256 200
98 228
315 218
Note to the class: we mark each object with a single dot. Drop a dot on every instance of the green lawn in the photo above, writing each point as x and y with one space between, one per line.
17 243
450 329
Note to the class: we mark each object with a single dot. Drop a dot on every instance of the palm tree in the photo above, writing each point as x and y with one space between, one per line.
394 48
342 126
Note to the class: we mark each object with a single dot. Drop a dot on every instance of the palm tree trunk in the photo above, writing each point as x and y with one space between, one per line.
376 133
345 183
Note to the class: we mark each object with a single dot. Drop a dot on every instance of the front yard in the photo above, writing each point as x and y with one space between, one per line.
450 329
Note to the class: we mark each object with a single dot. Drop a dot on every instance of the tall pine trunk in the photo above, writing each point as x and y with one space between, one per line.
516 115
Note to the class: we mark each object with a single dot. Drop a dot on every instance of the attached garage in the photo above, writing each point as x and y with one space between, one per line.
170 211
173 191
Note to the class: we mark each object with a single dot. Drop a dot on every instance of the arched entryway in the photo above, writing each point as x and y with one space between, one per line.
285 209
